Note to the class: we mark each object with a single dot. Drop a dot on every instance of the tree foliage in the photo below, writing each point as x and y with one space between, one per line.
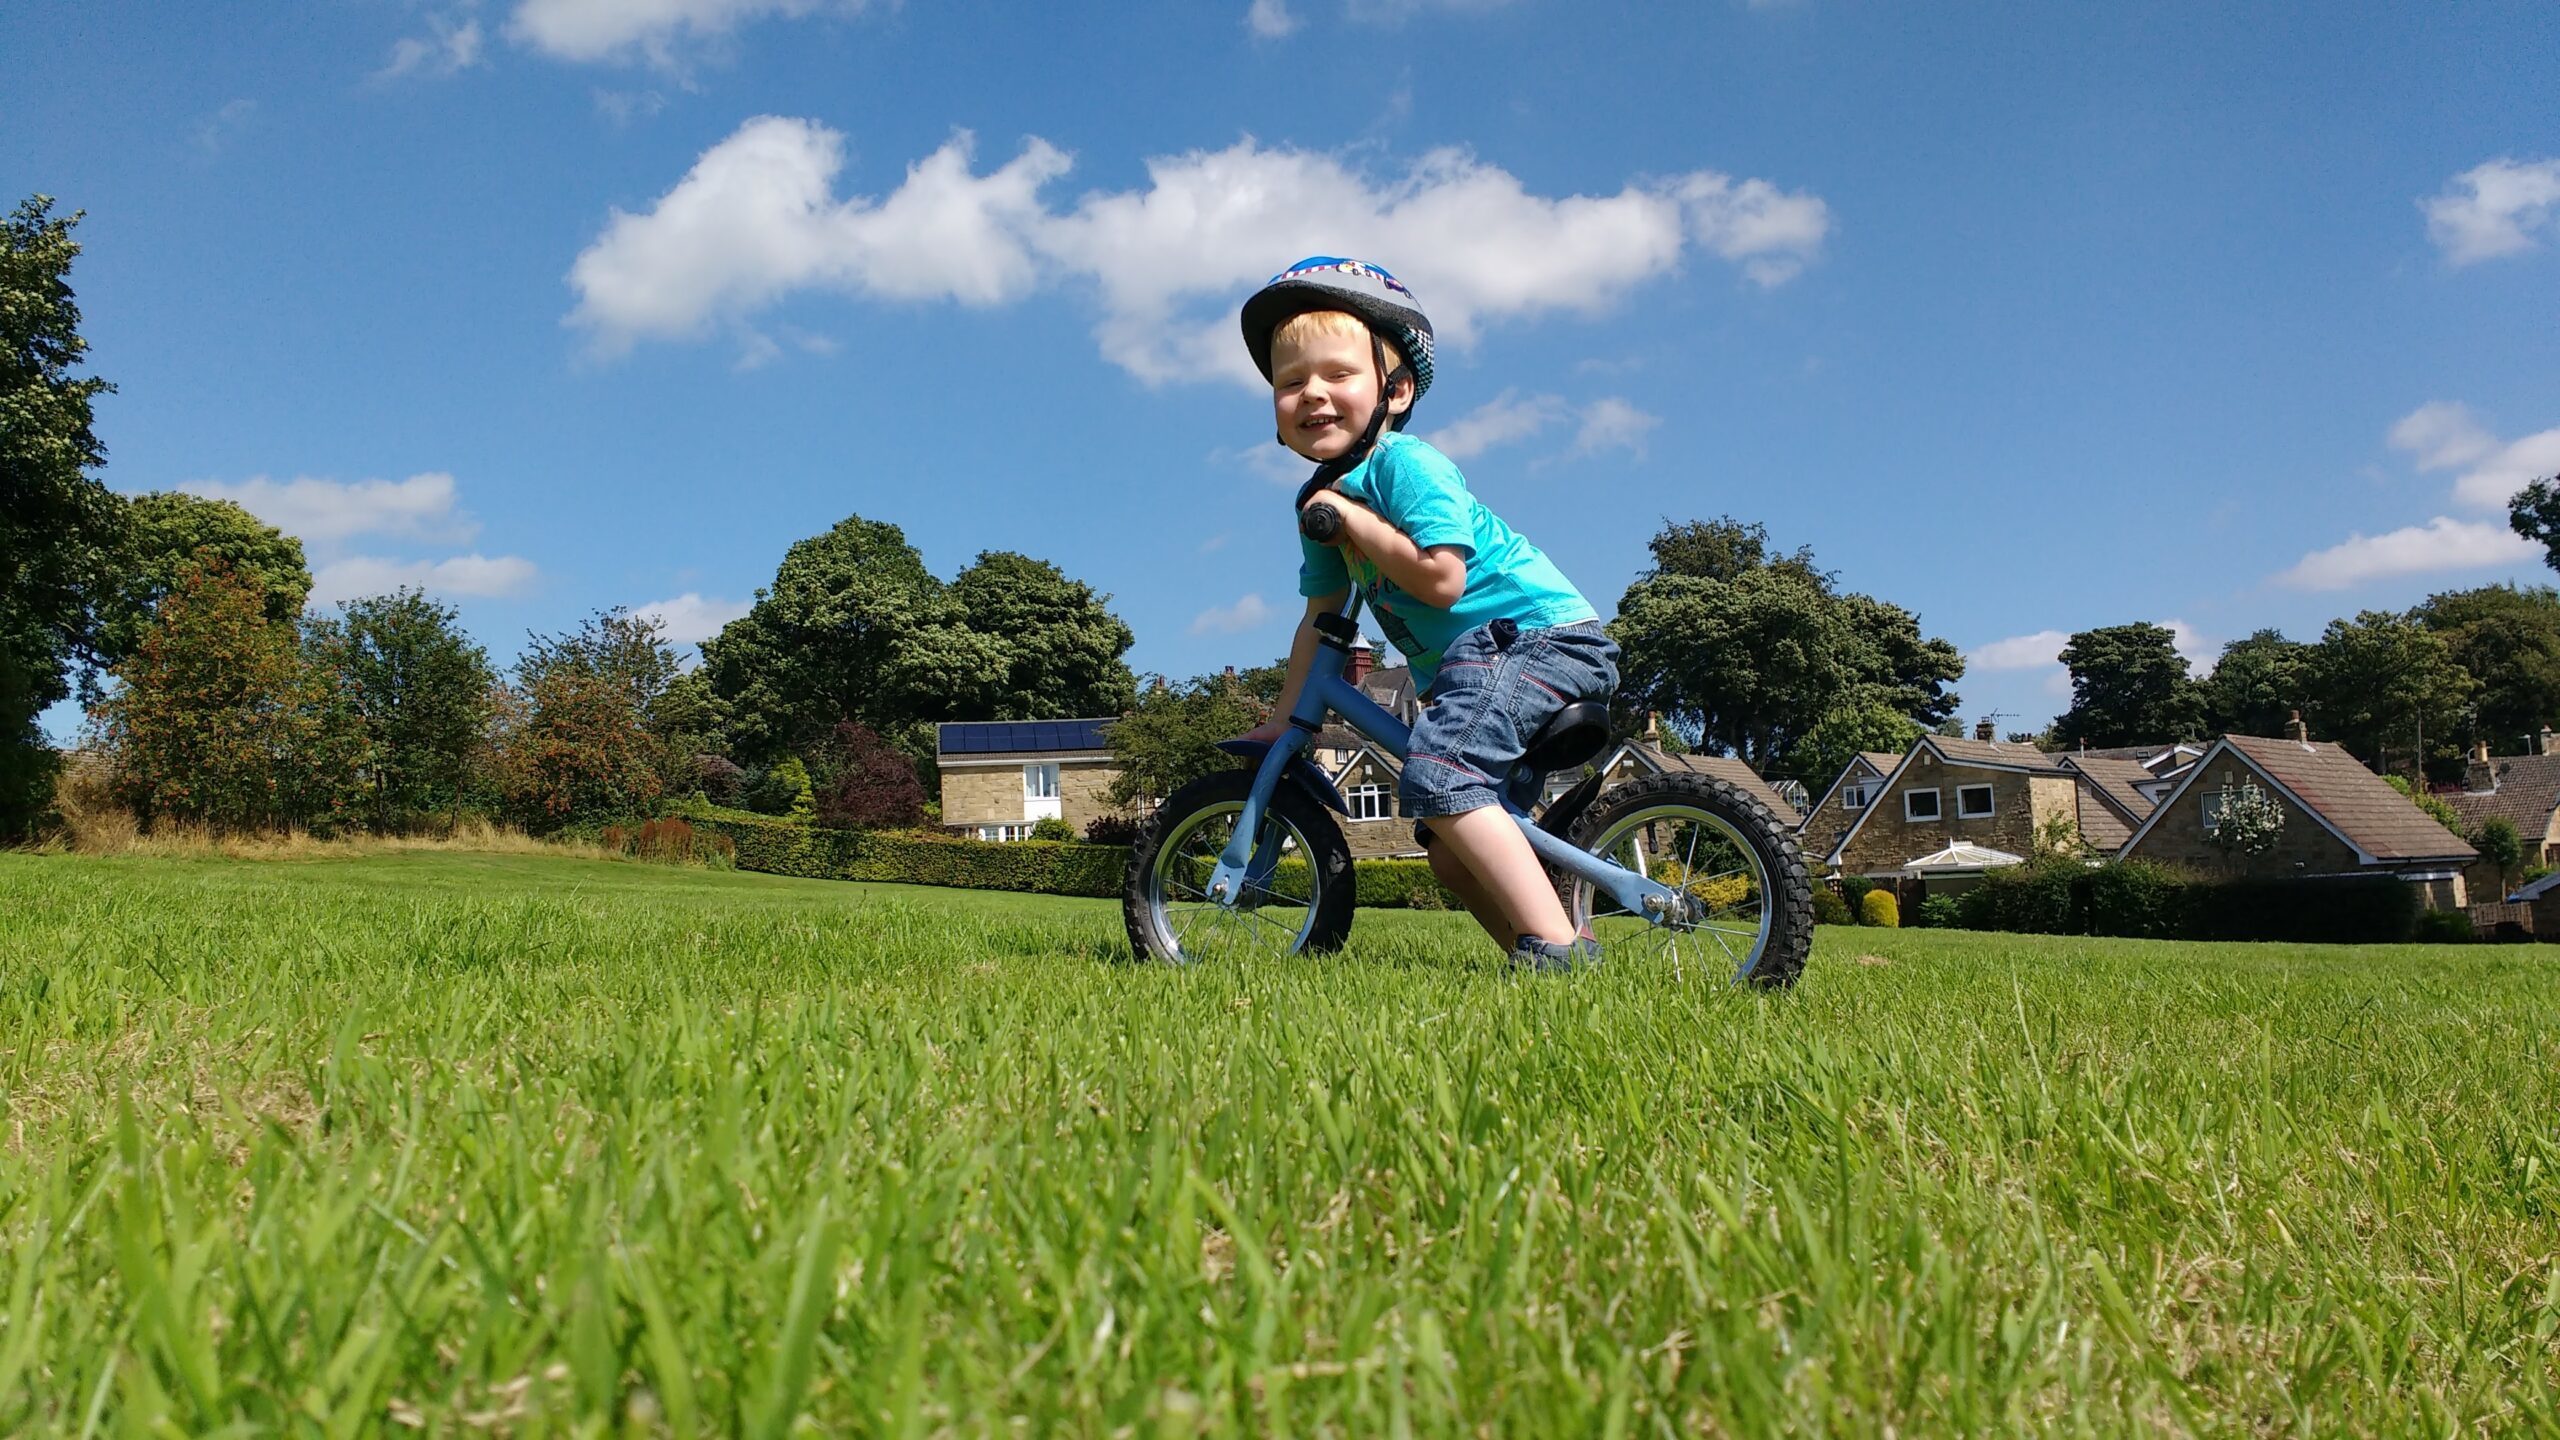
2257 685
59 526
167 531
1060 645
2500 845
1746 650
873 787
220 719
2508 639
2386 686
421 690
2129 686
2534 513
2247 820
1169 738
1867 723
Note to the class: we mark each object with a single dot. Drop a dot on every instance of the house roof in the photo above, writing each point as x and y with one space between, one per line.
2114 781
1997 754
1880 761
1392 687
2526 788
1716 767
2354 804
2155 758
1022 737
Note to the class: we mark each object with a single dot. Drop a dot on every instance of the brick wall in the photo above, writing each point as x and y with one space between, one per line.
983 795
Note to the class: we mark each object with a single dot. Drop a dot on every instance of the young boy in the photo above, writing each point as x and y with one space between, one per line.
1498 639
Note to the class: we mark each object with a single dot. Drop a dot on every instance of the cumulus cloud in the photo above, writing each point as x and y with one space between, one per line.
1246 614
757 218
1506 419
448 48
1270 19
2496 477
2443 543
459 575
2018 652
1613 424
655 31
691 618
2442 434
2493 209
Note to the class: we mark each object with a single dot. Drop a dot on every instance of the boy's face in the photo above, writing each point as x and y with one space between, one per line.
1322 389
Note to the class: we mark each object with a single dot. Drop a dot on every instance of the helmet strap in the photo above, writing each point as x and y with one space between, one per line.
1331 471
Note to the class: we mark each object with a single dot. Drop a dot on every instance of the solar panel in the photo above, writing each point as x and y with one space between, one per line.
1016 737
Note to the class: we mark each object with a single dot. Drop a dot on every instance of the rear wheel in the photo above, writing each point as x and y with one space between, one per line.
1305 904
1744 902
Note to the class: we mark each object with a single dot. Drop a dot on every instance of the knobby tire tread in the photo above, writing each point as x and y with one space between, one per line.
1329 864
1791 885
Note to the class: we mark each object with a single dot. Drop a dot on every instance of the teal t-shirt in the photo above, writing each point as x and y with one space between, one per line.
1420 492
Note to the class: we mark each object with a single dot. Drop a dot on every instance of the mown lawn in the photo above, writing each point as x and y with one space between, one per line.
544 1145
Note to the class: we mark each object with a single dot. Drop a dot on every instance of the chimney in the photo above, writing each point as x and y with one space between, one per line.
1653 727
2479 752
2545 743
1363 659
2300 732
1982 730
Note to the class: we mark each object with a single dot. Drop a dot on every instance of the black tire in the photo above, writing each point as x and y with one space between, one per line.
1148 902
1732 815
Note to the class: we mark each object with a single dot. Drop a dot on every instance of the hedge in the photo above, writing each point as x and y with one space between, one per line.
2139 900
1038 867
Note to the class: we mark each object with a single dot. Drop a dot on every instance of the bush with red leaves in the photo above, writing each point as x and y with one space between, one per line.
874 788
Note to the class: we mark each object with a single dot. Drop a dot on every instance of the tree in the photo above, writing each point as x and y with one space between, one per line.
1745 650
873 787
570 746
2534 513
59 526
219 720
1863 724
631 653
2384 683
169 530
2507 639
1061 645
2257 685
420 688
2129 686
2500 845
1169 738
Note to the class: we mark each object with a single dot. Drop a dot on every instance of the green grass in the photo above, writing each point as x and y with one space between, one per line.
553 1146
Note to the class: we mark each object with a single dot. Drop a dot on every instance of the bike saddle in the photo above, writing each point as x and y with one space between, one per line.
1575 736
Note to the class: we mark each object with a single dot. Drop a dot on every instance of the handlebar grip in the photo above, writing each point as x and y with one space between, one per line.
1320 523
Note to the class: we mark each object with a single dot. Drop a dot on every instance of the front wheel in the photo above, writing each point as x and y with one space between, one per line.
1744 902
1302 904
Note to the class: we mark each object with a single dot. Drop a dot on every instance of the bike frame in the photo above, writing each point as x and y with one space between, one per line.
1243 866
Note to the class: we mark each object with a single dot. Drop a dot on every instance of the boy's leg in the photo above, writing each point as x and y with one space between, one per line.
1462 882
1489 844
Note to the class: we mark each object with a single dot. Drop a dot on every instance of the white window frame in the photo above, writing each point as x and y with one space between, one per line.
1369 802
1858 794
1937 805
1990 803
1035 775
1003 833
2209 810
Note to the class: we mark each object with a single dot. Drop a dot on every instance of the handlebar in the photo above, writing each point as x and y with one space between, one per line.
1321 523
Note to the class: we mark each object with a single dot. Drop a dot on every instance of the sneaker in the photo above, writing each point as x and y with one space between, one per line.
1545 957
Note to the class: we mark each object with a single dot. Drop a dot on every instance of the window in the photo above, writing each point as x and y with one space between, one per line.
2213 802
1040 780
1856 794
1004 832
1369 802
1919 804
1973 802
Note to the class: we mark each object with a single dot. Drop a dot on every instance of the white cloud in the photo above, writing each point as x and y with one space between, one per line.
1270 19
2442 434
2493 209
1245 614
213 133
323 513
625 106
1613 424
467 575
446 49
650 30
1505 419
2201 654
2442 543
2491 483
2018 652
757 219
690 618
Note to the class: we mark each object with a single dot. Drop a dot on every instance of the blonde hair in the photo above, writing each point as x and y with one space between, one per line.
1300 328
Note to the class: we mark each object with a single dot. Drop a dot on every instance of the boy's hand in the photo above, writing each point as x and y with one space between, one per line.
1268 732
1354 514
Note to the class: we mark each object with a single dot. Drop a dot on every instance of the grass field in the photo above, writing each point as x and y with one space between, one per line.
543 1145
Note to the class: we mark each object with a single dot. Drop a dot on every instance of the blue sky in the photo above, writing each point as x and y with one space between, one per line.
2026 317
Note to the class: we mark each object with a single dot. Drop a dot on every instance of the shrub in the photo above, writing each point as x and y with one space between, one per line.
1829 908
1050 827
1938 912
2030 899
2135 898
671 841
1112 829
720 779
873 787
2443 927
1880 909
2144 901
1853 893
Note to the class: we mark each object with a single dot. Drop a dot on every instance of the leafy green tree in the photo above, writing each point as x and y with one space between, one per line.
1061 646
2507 639
168 531
2257 685
1866 722
2129 686
2534 513
1169 738
1744 649
631 653
570 746
2384 685
59 526
420 688
219 720
2500 845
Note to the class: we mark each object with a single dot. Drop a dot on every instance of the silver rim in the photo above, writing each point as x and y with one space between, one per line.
1720 927
1191 927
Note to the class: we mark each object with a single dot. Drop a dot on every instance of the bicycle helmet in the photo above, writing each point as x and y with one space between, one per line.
1380 300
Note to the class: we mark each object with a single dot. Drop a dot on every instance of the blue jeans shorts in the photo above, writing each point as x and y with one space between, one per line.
1488 701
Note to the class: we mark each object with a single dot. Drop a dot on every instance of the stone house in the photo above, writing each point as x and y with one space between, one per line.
1952 808
1635 759
1001 777
2340 820
2163 765
1826 822
2524 791
1366 775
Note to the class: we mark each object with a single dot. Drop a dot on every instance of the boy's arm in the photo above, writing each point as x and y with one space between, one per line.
1302 654
1437 577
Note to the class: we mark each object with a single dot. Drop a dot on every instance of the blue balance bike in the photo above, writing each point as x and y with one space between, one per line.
1678 868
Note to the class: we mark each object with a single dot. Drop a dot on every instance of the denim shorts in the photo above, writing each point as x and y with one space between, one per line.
1487 703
